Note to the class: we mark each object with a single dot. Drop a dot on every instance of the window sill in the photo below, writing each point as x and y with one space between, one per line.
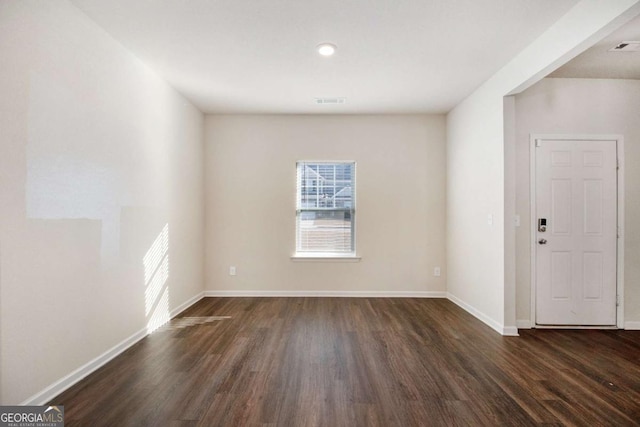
325 257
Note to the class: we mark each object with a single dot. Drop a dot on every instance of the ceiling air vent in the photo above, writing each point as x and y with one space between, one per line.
330 101
626 47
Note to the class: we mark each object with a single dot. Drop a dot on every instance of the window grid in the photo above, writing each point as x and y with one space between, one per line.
325 215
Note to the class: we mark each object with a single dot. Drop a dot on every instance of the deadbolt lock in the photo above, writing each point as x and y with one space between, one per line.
542 225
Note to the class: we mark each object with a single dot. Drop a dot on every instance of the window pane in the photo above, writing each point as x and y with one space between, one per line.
324 231
326 203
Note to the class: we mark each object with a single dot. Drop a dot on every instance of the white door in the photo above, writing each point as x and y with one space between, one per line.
576 195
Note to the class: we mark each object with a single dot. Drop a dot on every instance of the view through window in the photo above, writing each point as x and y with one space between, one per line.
325 208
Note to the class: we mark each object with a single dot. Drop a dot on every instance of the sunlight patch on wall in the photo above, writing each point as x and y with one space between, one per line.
156 274
160 314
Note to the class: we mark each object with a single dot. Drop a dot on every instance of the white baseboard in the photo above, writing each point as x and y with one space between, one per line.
526 324
340 294
64 383
523 324
632 326
188 303
67 381
511 331
501 329
74 377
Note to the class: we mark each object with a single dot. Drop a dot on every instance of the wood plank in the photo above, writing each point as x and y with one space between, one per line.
359 361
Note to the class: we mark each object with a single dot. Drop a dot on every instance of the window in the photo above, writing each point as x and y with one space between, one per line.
325 209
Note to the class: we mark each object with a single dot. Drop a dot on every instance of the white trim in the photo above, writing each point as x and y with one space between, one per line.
621 227
619 139
523 324
580 327
498 327
532 227
338 294
188 303
510 331
67 381
325 258
88 368
632 326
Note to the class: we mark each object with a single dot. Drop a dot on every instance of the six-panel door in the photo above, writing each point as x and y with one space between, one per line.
576 192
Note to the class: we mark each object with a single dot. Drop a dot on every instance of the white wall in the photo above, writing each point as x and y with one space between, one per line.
250 202
98 156
476 260
581 106
475 192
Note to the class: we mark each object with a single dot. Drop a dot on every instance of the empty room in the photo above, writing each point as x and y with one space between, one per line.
319 213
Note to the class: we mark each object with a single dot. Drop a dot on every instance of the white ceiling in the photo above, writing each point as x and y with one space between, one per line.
394 56
598 63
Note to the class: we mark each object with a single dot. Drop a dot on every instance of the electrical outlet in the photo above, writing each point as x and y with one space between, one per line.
436 271
232 271
516 220
490 219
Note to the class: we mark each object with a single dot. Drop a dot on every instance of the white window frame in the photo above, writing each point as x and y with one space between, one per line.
325 255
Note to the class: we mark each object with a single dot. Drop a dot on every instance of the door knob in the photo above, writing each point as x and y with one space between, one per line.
542 241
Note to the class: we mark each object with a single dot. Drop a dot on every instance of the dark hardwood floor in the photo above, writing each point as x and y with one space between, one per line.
359 362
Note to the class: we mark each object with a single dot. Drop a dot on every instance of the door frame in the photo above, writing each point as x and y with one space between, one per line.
620 210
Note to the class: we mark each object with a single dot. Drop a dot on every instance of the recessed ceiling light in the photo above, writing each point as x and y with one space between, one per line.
326 49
